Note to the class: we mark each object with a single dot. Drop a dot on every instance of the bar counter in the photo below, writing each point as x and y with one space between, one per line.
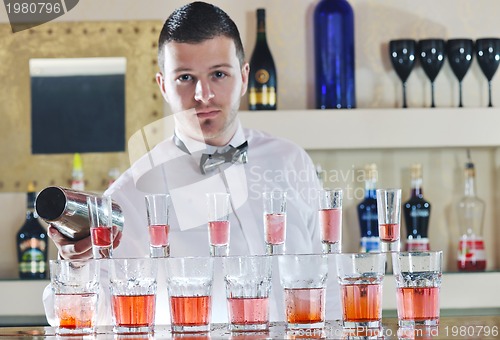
451 327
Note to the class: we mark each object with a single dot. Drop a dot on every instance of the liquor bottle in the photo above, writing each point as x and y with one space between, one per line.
32 243
113 175
417 212
471 253
334 55
262 80
367 212
77 181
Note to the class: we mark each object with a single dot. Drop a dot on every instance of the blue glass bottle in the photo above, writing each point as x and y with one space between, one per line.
367 213
334 55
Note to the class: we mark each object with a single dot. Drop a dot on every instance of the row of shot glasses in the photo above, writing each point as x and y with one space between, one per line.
248 281
274 222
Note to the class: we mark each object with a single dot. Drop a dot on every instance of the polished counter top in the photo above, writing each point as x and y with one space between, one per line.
454 327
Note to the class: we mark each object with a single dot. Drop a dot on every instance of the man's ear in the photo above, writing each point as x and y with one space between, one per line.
245 70
161 84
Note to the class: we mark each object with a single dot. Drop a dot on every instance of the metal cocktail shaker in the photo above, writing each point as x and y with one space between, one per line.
66 209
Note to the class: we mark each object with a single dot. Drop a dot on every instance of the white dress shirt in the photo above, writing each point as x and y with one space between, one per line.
273 163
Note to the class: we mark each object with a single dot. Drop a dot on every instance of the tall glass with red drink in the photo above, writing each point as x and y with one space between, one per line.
76 288
248 284
189 284
303 278
133 294
418 280
360 277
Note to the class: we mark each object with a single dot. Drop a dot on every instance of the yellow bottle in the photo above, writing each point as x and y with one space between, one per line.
77 181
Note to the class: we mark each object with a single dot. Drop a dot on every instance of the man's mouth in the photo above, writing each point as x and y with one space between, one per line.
207 113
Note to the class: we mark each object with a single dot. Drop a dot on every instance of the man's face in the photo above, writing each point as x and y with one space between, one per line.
207 77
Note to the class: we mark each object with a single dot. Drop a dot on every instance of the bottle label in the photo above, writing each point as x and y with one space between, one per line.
418 244
262 76
78 185
419 213
32 243
32 261
369 216
471 249
370 244
264 96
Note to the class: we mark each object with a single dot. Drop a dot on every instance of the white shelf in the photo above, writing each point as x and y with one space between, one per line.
381 128
22 297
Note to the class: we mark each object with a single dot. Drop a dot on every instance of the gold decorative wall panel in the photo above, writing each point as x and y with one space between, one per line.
134 40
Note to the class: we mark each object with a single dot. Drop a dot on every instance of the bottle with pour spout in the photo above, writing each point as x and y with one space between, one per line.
471 254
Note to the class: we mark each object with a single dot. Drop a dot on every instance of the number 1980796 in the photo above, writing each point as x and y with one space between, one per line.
33 8
471 331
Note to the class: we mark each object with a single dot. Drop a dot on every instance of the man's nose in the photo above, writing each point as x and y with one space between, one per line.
203 93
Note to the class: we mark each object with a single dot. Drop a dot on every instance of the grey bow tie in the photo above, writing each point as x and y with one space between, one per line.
210 162
233 155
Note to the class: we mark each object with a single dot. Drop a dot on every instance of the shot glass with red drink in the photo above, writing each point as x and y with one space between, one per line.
330 219
157 207
101 226
389 219
218 223
275 221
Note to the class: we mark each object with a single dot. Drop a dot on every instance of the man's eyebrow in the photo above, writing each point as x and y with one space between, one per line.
187 69
221 65
181 69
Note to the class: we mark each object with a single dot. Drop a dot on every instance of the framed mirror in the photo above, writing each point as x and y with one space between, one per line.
77 105
23 155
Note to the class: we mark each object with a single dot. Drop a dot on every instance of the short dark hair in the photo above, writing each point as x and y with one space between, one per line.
196 22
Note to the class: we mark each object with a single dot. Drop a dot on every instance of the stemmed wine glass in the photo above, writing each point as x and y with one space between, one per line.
460 53
488 57
432 54
402 54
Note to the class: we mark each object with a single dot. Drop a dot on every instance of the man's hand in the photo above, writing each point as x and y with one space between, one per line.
81 249
70 249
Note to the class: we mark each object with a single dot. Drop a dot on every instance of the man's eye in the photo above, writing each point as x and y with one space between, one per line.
185 77
219 74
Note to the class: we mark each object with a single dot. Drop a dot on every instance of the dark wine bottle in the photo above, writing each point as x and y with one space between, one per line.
32 243
262 80
417 212
334 55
